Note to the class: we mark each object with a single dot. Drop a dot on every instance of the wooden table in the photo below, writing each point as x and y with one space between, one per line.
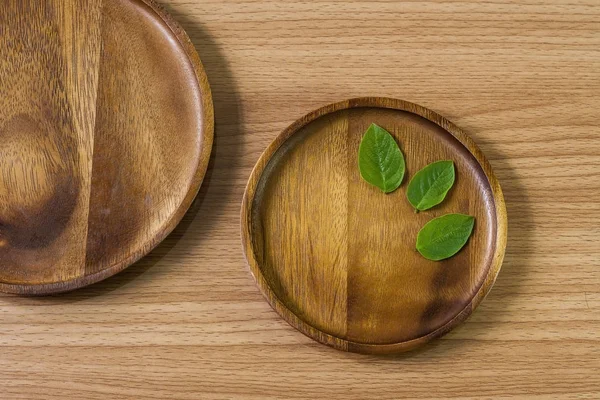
522 78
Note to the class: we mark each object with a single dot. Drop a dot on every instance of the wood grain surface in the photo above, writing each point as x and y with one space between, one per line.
106 126
336 258
188 322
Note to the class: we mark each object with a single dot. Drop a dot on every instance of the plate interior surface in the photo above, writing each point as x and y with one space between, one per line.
106 127
336 257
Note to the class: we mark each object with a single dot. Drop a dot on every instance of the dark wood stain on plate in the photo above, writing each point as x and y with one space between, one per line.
336 257
106 127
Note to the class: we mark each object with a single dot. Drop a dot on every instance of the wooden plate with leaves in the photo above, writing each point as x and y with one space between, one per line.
106 128
336 257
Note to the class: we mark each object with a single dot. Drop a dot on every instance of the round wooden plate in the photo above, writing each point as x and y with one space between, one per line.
106 128
336 258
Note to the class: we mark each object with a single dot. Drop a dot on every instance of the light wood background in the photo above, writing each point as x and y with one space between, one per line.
521 77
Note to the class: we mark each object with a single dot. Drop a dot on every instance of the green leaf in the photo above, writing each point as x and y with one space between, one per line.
380 160
443 237
429 186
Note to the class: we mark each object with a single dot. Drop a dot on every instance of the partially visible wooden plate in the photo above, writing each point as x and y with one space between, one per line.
336 258
106 128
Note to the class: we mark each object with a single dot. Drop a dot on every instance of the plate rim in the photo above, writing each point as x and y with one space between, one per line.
337 342
208 127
